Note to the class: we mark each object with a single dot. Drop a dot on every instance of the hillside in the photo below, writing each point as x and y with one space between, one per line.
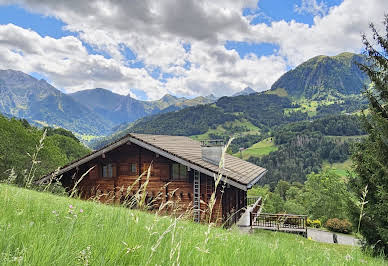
18 139
37 101
324 76
67 231
120 109
243 114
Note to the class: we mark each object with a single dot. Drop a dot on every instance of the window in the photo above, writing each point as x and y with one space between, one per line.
108 170
133 168
179 172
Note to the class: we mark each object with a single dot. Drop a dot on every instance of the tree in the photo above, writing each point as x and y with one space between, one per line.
326 196
370 156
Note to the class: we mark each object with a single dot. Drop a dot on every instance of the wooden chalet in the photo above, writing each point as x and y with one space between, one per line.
183 170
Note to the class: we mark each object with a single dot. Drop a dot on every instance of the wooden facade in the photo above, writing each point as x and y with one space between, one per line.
161 187
181 180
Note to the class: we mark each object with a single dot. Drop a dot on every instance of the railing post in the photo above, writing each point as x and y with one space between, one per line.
250 219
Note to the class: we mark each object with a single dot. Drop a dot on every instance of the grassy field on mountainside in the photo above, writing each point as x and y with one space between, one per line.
239 127
339 168
39 228
259 149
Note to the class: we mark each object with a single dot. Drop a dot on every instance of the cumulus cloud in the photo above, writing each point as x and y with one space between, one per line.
156 31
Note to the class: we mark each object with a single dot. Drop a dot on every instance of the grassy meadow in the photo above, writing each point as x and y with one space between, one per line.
38 228
259 149
339 168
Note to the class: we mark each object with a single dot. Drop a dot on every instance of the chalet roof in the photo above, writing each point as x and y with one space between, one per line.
186 151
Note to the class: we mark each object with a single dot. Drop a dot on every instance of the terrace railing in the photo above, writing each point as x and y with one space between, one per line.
280 222
252 200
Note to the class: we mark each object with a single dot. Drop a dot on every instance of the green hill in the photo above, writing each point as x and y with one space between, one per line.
254 113
18 139
43 229
324 76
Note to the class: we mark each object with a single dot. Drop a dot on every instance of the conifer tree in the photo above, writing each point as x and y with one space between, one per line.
370 156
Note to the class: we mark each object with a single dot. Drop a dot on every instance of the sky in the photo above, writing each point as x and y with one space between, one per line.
184 47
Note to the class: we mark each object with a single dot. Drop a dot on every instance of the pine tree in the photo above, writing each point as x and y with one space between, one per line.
370 156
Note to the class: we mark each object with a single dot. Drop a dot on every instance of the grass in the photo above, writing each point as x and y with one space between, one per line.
38 228
308 106
249 128
339 168
259 149
281 92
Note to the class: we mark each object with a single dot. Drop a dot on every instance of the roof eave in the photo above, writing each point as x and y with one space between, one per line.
86 159
254 181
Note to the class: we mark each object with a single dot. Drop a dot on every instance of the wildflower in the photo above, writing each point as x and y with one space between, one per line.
85 256
81 210
71 206
348 257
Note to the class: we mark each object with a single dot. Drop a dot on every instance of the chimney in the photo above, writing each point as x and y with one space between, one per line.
212 150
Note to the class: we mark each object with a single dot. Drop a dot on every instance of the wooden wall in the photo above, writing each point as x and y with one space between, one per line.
160 188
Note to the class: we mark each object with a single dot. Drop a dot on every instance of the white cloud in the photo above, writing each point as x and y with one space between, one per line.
156 30
312 7
67 63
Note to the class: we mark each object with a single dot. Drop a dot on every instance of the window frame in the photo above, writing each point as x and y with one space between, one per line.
110 170
179 177
131 169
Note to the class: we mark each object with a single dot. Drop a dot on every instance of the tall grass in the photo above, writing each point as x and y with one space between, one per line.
38 228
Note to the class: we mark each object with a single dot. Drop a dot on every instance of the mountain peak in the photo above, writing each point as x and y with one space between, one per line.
323 75
168 97
246 91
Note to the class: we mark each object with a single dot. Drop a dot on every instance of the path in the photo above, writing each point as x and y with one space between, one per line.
315 234
327 237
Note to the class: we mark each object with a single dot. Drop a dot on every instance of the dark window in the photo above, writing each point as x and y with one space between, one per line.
133 168
179 172
108 170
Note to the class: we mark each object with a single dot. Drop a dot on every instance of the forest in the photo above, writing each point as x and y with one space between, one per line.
19 142
305 145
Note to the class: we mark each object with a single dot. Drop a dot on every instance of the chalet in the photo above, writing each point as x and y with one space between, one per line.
183 170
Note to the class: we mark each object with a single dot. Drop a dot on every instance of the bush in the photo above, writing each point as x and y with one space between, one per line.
337 225
314 223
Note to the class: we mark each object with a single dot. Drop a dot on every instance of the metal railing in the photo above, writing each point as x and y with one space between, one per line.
280 222
252 200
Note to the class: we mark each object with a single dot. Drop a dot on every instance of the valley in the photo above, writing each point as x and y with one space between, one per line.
264 125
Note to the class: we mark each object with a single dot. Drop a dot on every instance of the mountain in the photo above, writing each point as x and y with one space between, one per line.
90 112
246 91
113 107
37 101
244 114
322 76
321 86
121 109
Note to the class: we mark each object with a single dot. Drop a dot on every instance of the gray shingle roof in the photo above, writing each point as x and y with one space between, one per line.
188 149
183 148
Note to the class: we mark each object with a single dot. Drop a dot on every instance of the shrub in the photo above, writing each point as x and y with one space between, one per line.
337 225
314 223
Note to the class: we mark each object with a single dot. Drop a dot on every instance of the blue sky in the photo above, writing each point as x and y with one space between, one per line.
205 51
